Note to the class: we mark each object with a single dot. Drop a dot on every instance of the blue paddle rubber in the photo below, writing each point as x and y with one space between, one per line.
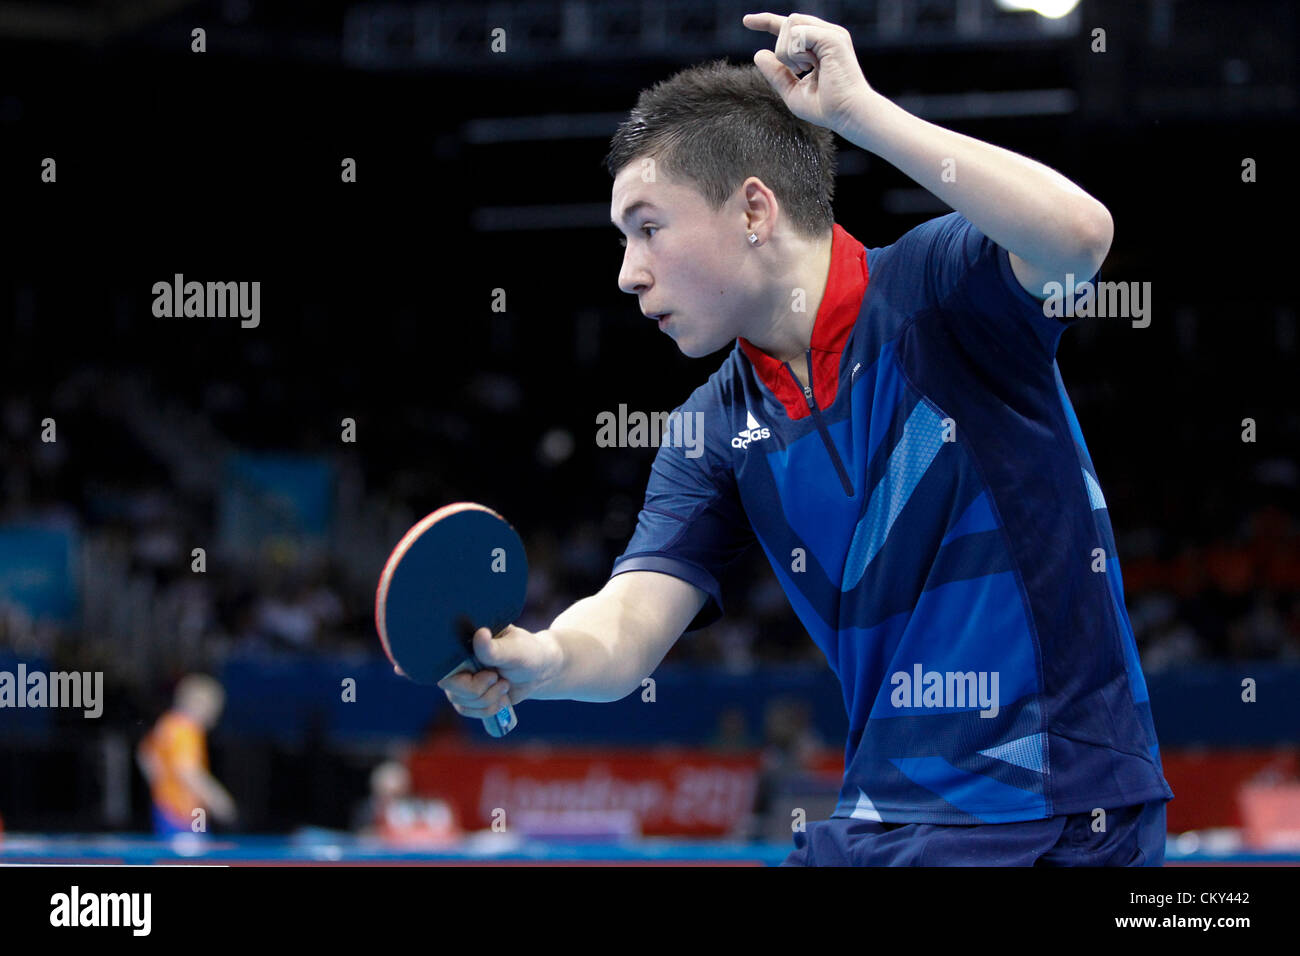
459 569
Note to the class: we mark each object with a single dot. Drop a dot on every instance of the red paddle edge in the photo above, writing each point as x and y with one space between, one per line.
381 593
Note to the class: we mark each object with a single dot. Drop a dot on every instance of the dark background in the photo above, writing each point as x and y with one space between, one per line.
480 171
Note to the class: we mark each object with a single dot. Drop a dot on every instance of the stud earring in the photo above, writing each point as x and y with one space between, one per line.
753 238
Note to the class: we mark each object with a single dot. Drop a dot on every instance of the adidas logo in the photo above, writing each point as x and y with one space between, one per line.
753 432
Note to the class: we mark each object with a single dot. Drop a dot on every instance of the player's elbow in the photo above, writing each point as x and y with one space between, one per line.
1094 233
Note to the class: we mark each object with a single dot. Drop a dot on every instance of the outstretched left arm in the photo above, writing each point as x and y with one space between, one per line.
1047 224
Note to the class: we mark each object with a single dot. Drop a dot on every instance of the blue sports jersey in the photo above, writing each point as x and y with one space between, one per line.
931 510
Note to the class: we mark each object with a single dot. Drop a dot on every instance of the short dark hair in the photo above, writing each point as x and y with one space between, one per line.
716 124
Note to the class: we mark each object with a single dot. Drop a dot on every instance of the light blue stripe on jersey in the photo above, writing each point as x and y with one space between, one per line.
1024 752
961 789
865 809
1095 496
908 462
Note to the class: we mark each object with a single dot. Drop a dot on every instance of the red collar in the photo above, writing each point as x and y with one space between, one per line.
846 283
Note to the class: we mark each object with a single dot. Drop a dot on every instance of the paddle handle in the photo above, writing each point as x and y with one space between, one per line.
504 720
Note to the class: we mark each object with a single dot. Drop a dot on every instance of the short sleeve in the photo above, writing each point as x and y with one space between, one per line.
692 525
968 276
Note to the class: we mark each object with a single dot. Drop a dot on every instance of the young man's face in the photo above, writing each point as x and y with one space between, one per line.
685 259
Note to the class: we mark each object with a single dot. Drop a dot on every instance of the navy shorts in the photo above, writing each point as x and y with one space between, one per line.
1134 836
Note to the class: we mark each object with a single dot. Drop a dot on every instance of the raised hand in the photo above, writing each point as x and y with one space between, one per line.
833 86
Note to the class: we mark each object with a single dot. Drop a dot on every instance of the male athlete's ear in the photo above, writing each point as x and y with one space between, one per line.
761 210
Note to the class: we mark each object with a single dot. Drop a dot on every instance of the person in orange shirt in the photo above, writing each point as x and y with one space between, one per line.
174 759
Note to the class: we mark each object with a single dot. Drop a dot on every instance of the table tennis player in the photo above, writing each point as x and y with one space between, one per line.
904 451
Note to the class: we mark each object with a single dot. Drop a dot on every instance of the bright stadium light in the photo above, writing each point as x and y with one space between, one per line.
1052 9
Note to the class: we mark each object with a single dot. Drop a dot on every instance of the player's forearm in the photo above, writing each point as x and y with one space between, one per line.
205 787
195 781
1019 203
215 790
600 661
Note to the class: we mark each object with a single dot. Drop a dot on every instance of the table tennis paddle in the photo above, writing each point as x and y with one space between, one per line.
458 569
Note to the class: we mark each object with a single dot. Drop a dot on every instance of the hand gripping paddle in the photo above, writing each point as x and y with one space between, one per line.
457 570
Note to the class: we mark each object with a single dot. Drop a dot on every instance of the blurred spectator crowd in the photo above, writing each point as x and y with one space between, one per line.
139 507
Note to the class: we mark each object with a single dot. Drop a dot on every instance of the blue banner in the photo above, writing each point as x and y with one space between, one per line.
38 570
266 497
